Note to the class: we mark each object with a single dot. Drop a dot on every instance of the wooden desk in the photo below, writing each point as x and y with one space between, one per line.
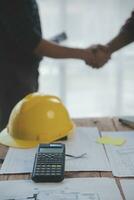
103 124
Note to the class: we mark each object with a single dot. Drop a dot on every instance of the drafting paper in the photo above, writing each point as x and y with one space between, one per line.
69 189
82 141
121 157
18 161
128 188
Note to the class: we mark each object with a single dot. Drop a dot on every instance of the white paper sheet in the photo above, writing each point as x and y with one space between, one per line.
69 189
121 157
83 141
128 188
18 161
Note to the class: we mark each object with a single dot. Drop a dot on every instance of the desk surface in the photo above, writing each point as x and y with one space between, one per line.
103 124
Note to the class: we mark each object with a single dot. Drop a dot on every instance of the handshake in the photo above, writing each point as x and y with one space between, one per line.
97 55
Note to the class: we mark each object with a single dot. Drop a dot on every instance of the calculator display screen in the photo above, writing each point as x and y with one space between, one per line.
51 150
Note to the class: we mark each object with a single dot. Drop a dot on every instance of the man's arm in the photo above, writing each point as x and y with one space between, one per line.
27 38
125 36
49 49
53 50
120 41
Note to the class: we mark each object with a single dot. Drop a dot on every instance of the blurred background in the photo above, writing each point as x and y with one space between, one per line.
88 92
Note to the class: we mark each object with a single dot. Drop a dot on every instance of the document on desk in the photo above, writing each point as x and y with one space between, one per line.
69 189
121 157
128 188
82 141
18 161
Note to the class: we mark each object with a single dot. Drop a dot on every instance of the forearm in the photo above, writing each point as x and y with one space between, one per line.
49 49
120 41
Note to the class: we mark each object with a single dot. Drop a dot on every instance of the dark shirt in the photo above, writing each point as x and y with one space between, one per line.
20 31
129 26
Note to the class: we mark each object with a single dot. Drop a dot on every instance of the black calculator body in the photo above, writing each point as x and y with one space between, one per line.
49 163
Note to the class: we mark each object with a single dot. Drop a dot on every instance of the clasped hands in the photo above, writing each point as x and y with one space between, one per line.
97 55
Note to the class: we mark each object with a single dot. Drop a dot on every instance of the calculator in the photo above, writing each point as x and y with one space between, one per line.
49 163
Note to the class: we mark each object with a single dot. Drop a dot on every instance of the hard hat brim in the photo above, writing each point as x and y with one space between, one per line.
7 140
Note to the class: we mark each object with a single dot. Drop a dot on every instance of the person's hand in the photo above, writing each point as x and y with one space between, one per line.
101 55
97 55
89 56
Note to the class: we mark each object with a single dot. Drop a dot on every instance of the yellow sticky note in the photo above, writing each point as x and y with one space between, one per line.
111 140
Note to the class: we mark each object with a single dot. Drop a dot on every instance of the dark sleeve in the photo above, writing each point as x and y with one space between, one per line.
17 19
129 26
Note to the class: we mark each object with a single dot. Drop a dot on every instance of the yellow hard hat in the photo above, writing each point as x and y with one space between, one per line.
36 119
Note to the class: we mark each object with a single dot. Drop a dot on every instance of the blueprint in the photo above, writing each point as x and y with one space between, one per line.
82 141
121 157
69 189
128 188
